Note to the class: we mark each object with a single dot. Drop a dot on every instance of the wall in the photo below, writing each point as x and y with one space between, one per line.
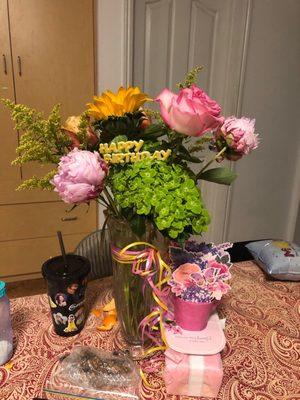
264 199
113 43
112 48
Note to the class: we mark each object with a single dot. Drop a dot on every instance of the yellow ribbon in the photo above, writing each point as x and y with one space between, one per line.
121 256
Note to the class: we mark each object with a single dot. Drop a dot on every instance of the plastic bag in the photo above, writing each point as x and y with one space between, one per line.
278 258
90 373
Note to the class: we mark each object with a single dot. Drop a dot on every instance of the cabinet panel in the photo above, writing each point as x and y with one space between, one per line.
54 43
9 176
22 221
27 256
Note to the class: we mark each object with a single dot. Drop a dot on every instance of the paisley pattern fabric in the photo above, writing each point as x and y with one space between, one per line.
261 359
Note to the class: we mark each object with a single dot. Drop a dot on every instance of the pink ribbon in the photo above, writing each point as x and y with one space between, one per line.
147 263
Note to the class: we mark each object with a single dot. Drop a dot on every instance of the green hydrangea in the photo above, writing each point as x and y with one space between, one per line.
164 193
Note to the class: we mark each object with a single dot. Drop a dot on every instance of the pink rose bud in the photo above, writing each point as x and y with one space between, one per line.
239 135
80 176
191 112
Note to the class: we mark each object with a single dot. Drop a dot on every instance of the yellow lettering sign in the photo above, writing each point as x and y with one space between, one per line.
119 152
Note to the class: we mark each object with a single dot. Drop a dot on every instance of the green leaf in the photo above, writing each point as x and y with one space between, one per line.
119 138
154 131
173 233
221 175
194 206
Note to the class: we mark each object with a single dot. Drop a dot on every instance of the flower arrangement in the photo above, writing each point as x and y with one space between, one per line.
136 162
155 184
204 274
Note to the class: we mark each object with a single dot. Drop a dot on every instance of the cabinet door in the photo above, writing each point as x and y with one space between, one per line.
9 176
53 58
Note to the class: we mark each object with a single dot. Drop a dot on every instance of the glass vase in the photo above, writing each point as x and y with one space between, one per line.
133 296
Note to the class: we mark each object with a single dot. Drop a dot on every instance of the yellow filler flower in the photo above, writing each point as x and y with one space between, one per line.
117 104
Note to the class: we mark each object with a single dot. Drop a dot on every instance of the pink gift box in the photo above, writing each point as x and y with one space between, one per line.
193 375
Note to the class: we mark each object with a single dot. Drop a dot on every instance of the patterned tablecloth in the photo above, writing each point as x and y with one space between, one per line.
261 359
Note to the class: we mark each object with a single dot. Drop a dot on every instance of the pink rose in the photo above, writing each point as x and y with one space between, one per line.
80 176
239 135
191 112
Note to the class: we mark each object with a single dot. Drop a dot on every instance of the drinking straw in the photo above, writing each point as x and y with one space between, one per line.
62 249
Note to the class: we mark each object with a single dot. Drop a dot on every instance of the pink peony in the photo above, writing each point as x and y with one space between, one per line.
80 176
239 134
191 112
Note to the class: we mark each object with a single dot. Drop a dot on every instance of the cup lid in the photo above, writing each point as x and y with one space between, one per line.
78 267
2 289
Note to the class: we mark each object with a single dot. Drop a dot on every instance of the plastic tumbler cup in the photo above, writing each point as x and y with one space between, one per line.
66 292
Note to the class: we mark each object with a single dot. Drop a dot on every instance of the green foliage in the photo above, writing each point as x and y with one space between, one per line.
39 183
221 175
42 140
152 114
200 144
190 78
163 193
83 126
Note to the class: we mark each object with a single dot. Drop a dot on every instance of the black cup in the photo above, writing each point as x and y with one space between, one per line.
66 292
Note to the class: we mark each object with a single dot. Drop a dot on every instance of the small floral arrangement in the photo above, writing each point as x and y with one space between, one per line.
201 271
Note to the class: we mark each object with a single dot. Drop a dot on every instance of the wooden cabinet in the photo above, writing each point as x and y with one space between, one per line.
10 177
47 57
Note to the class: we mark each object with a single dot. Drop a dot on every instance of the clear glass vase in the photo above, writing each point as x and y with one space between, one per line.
133 296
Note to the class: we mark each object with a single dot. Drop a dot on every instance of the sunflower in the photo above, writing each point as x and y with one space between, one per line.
117 104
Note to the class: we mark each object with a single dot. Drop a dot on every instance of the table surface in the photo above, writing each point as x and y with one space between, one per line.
261 359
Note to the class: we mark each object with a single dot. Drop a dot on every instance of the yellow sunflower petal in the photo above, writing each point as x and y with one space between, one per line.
121 93
117 104
94 111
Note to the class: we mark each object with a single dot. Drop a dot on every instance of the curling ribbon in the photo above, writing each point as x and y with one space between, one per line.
148 263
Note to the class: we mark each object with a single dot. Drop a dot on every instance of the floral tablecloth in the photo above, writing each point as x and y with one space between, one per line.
261 359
